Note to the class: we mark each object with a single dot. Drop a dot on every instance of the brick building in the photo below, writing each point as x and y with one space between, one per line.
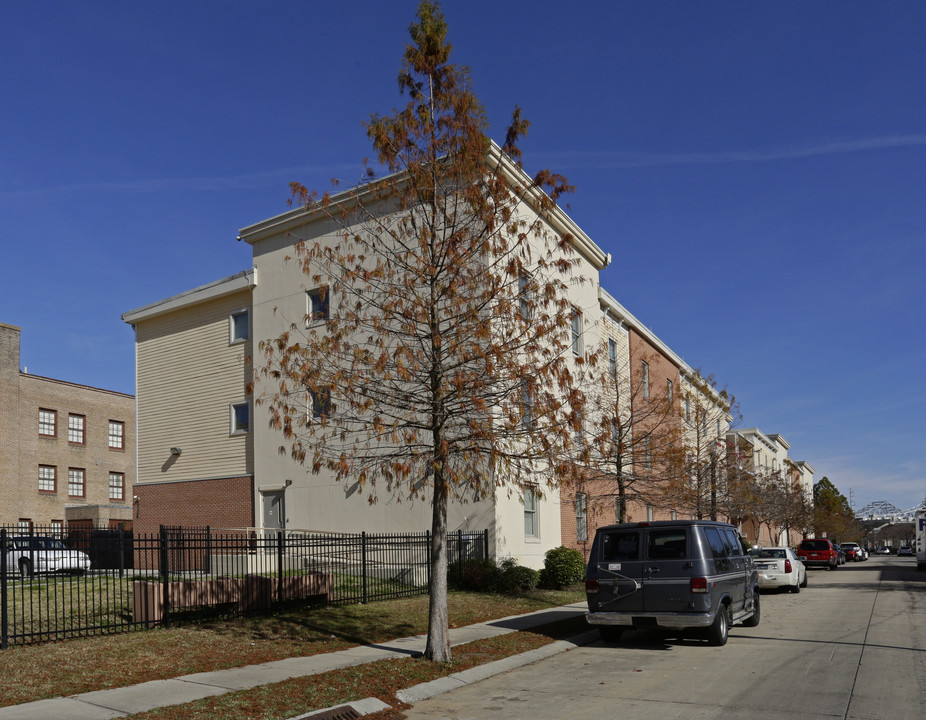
67 451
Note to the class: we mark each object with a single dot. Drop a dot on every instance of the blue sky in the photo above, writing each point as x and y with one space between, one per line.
755 169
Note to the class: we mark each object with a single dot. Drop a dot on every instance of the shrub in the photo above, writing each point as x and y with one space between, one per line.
562 567
514 578
485 576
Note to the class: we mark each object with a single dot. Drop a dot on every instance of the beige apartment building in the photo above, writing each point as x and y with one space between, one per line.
207 455
67 451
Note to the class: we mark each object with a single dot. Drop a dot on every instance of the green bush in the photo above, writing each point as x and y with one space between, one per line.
562 567
507 577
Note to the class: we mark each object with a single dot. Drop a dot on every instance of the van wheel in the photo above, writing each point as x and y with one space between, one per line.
753 620
610 634
718 632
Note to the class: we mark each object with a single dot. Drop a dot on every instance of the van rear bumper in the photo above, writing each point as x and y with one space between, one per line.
662 619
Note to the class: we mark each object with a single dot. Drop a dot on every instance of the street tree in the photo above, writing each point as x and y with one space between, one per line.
448 369
833 516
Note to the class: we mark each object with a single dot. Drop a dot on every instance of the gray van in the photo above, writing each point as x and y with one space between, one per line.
672 574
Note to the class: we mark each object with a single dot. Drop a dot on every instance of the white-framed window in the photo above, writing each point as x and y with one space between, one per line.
669 391
527 405
617 509
576 331
239 326
525 297
644 378
531 527
57 528
76 429
317 304
240 418
48 422
581 519
718 427
117 486
612 358
76 483
48 479
649 513
647 453
688 410
116 435
320 403
24 525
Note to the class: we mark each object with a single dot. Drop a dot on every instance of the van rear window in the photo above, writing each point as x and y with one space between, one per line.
667 544
621 546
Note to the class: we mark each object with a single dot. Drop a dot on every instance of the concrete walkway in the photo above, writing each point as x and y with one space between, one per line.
119 702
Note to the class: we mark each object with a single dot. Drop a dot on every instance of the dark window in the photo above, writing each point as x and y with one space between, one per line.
732 540
667 544
621 546
718 549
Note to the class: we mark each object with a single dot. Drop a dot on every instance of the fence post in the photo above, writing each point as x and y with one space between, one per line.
207 561
427 556
485 544
363 566
279 565
4 624
121 552
165 576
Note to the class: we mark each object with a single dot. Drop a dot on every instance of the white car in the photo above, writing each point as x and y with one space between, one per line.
31 554
779 567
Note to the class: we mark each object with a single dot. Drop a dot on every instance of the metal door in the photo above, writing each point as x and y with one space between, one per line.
274 517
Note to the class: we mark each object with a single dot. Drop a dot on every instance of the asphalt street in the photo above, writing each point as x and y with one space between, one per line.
851 645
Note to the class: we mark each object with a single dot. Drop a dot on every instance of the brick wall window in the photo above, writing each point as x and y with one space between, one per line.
48 423
48 479
76 485
581 524
57 528
644 378
116 486
24 525
76 429
116 435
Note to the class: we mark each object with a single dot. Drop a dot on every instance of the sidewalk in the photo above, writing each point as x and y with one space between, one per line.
119 702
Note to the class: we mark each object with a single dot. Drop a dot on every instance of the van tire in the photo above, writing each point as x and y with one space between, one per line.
610 634
753 619
720 629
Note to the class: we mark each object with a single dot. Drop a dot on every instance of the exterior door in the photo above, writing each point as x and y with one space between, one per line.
274 517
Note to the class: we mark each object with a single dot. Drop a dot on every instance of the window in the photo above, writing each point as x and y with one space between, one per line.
667 544
76 429
718 427
527 404
116 435
48 423
57 528
644 379
48 479
525 298
612 358
618 505
647 453
688 410
669 391
318 306
239 326
576 331
240 418
581 525
116 486
530 513
24 525
649 513
76 482
321 403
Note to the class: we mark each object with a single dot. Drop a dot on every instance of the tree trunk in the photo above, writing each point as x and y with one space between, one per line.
438 645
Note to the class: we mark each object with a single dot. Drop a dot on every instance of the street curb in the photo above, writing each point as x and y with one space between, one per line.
426 690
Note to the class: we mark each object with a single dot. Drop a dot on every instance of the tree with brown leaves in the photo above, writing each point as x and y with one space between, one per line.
444 365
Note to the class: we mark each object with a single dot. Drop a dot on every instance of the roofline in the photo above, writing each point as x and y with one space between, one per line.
558 218
244 280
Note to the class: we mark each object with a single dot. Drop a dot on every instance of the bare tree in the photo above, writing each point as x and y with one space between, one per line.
440 360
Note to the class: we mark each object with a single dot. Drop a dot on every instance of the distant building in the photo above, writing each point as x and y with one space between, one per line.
67 451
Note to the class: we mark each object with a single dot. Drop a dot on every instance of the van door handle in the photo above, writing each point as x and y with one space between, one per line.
652 570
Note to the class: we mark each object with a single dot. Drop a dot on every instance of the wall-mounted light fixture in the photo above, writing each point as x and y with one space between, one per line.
176 451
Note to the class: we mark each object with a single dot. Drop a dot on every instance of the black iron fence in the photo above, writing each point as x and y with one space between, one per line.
59 584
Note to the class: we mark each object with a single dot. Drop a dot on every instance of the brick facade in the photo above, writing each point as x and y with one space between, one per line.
217 503
24 450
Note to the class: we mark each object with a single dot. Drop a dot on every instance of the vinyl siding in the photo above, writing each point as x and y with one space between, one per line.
188 375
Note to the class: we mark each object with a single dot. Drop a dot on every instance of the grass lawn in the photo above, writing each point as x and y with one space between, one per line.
76 666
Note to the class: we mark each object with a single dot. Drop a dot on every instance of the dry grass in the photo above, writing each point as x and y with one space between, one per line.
82 665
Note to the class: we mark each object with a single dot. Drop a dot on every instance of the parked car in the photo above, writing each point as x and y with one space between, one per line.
818 552
671 573
883 550
853 551
779 567
905 550
30 554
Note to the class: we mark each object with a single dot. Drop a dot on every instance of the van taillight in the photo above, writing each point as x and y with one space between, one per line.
591 586
699 585
787 566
